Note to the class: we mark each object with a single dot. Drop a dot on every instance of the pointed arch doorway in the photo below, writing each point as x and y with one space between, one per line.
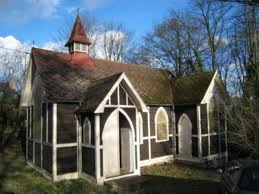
118 145
185 136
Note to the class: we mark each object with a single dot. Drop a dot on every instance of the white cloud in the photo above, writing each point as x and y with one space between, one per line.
56 46
10 42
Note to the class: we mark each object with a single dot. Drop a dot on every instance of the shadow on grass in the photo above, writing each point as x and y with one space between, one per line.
162 184
18 178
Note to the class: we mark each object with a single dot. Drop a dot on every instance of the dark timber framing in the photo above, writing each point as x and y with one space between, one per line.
204 133
58 157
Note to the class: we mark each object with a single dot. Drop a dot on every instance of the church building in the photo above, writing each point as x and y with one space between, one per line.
103 120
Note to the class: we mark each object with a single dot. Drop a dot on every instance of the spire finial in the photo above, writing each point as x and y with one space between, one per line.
78 11
78 34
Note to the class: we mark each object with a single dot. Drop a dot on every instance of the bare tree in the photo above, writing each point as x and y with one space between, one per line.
109 40
213 18
176 44
13 66
243 127
12 72
116 39
138 54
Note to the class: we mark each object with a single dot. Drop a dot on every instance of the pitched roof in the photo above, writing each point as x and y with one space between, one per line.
97 92
67 77
191 89
78 34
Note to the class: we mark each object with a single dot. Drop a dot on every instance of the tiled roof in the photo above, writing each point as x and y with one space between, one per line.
67 77
191 89
78 34
97 92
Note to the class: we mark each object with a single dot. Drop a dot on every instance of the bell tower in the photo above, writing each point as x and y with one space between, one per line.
78 40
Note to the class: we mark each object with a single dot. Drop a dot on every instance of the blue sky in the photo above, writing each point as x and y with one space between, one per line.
39 20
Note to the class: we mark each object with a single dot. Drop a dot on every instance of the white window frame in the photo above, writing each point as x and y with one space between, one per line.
167 124
80 47
86 121
75 46
140 120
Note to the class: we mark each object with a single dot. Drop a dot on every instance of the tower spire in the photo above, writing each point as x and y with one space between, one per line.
78 40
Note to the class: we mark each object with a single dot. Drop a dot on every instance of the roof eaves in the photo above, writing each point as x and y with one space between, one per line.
34 62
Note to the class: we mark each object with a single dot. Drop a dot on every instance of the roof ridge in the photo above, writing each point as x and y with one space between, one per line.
135 64
195 74
58 52
98 59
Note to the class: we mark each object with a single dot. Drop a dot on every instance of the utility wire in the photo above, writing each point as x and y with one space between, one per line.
14 50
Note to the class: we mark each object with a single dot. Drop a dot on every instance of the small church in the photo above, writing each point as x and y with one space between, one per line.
102 120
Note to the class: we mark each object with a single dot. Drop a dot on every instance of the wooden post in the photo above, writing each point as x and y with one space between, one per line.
208 119
54 140
138 142
198 110
79 140
97 149
41 134
149 138
27 132
173 131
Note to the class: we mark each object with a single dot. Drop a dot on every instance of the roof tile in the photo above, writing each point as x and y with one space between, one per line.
65 80
78 34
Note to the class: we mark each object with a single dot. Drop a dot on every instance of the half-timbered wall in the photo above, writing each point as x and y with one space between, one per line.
88 151
66 138
39 145
39 128
151 148
66 160
163 148
213 124
213 136
41 148
66 124
88 160
208 129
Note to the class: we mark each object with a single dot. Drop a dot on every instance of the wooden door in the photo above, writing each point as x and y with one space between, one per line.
126 149
111 152
185 136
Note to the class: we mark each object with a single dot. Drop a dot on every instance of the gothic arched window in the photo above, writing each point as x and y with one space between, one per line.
86 133
161 125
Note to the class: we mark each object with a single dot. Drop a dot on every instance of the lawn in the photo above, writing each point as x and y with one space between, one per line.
17 177
178 179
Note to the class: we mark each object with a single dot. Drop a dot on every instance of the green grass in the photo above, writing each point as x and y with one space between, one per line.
17 177
178 179
181 171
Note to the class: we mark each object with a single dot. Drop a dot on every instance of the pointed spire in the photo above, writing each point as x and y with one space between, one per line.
78 34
